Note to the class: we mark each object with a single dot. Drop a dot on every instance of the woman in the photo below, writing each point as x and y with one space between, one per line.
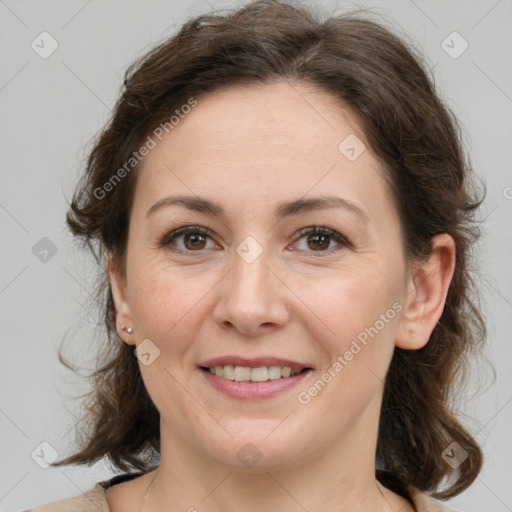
284 213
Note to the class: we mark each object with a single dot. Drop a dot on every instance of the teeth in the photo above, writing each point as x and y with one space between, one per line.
228 372
259 374
274 372
246 374
242 373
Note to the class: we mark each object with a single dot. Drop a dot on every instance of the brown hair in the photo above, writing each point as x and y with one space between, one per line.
384 81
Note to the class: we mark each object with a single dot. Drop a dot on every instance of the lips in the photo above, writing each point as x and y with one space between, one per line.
253 378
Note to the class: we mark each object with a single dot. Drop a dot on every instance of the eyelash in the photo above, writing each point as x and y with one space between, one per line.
324 230
199 230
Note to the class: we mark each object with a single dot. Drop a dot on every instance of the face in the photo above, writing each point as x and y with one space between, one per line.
246 281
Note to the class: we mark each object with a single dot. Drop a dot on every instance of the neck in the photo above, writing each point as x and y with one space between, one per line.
341 479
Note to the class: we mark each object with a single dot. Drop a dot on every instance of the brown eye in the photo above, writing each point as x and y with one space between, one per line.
194 241
318 241
188 239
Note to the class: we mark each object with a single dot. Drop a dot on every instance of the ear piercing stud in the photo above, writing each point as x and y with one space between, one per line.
127 330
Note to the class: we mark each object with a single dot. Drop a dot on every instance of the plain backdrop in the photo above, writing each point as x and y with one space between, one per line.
53 104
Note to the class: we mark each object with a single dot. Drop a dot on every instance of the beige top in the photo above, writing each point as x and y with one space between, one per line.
94 500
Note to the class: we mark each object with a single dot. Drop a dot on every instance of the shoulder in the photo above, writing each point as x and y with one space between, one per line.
425 503
93 500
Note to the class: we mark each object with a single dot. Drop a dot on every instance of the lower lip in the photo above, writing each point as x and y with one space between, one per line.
253 390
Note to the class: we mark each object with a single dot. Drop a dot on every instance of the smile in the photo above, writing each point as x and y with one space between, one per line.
248 374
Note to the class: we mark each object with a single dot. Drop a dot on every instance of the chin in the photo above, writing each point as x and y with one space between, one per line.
261 445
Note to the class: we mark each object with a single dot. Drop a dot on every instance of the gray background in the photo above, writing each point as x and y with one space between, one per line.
50 109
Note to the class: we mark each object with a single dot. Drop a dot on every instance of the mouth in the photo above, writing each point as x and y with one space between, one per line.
253 374
253 379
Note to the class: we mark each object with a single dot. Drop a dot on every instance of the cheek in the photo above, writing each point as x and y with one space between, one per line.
167 305
358 319
163 299
348 305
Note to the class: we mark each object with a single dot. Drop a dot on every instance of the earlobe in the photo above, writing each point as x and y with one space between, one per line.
124 322
426 296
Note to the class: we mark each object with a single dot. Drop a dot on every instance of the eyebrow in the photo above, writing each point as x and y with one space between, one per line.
286 209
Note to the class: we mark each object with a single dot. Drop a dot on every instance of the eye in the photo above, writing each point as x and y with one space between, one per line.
319 239
195 239
192 238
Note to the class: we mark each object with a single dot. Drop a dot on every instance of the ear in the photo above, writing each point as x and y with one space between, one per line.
123 313
427 290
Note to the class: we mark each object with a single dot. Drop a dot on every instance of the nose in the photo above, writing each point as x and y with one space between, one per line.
252 297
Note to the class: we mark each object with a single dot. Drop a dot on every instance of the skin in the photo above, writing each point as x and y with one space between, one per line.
293 301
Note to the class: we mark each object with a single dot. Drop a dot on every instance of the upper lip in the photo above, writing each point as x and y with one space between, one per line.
254 362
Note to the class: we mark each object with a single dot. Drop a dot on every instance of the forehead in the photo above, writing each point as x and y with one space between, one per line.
264 144
267 118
